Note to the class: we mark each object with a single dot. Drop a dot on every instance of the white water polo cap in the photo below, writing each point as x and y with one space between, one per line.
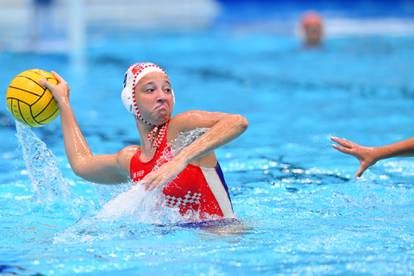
133 75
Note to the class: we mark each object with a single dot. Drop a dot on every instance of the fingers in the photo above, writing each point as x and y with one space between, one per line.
47 84
342 149
349 147
152 185
58 77
360 152
363 167
342 142
60 81
148 181
360 171
152 181
156 179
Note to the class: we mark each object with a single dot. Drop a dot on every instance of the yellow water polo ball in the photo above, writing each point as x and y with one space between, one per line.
28 101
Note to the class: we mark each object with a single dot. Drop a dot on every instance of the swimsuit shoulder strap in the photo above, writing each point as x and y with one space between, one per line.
164 143
134 162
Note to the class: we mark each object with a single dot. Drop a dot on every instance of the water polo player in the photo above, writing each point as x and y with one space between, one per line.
192 180
312 29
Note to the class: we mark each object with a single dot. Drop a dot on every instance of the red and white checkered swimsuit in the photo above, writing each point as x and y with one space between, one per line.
195 189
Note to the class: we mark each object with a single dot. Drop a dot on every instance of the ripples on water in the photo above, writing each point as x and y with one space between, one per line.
278 202
302 209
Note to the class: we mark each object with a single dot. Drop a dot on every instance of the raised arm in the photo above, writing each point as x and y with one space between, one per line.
222 129
368 156
104 169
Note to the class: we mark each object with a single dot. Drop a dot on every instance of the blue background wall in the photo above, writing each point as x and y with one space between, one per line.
350 7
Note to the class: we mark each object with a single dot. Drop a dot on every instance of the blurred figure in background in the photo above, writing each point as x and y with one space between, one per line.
312 29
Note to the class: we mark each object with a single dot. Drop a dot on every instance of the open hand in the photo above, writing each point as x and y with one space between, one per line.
164 174
366 155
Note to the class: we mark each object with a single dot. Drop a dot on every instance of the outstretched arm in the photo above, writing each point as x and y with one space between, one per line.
105 169
222 129
368 156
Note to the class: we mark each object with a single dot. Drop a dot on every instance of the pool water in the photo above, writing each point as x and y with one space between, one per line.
302 209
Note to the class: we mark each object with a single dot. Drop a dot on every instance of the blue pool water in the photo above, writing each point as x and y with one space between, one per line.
302 209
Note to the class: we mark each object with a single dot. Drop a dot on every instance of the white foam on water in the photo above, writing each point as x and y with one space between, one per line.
138 205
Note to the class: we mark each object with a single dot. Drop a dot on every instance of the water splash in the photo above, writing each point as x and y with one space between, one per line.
175 146
184 139
42 167
148 206
139 205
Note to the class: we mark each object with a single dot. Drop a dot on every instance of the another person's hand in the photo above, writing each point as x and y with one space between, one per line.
164 174
60 91
366 155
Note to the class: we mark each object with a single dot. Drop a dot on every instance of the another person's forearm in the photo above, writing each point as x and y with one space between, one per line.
225 130
403 148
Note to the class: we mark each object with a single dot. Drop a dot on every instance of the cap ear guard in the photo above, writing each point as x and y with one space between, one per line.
127 101
126 94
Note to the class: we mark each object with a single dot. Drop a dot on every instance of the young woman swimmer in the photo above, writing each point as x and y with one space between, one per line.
191 181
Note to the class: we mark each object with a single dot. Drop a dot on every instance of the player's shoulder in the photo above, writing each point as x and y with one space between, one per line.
124 155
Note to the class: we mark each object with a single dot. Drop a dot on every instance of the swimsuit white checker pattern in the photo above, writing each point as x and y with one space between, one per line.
177 202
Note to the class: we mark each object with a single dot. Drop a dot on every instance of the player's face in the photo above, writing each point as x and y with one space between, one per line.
154 97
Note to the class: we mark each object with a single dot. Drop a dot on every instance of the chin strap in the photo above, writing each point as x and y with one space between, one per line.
156 135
